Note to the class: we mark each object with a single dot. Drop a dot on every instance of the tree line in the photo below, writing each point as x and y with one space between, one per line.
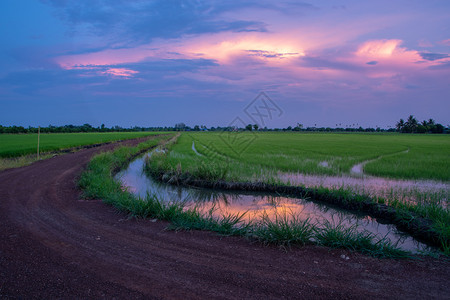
411 125
78 128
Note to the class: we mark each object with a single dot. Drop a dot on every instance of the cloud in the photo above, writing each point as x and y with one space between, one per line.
378 48
37 81
433 56
270 54
159 74
389 54
329 63
445 42
372 63
138 22
120 72
444 65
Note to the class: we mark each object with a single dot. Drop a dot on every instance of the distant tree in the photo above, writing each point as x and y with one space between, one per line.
421 128
196 128
86 127
298 127
411 124
180 127
255 127
439 128
400 125
249 127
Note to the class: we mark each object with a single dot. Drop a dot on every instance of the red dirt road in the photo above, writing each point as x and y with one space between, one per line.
55 245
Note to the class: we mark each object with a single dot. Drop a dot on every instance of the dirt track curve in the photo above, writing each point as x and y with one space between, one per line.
55 245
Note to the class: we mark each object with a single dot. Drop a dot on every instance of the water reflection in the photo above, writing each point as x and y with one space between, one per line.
408 190
256 204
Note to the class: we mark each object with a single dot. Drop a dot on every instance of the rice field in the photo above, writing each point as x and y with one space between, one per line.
14 145
388 155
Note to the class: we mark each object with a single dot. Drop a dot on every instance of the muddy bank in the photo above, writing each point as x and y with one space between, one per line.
420 228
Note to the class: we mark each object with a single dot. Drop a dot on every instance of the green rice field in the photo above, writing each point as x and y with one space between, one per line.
14 145
246 154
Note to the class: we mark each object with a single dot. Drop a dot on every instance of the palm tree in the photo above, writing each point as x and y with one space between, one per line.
400 124
411 123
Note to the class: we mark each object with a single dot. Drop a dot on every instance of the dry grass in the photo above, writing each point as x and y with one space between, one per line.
21 161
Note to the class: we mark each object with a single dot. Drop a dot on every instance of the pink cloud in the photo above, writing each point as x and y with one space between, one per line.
95 70
119 72
445 42
225 48
274 59
379 49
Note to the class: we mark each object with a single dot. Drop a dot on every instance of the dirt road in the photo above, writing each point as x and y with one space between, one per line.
53 244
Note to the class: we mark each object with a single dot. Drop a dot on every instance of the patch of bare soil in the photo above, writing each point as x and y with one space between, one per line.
53 244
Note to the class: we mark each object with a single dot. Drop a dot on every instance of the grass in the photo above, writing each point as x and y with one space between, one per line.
428 156
97 181
226 224
337 235
14 145
285 230
25 160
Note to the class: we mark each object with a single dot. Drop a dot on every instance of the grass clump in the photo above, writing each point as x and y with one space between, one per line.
226 224
283 230
337 235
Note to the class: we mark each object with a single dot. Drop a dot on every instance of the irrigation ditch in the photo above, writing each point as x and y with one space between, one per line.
420 228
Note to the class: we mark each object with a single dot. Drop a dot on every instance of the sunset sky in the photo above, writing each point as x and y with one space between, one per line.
157 63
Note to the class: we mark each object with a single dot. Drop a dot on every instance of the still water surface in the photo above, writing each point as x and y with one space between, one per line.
255 204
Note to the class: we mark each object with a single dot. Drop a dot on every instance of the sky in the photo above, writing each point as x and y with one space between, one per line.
219 63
